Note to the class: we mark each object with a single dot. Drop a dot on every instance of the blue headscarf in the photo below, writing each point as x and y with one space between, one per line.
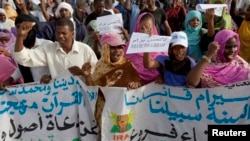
193 34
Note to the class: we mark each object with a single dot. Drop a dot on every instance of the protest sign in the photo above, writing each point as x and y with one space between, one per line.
141 42
218 8
109 23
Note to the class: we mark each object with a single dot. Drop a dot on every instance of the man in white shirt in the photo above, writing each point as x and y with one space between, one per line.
65 53
36 72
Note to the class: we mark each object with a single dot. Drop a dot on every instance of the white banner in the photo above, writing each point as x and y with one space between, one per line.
163 113
64 111
59 111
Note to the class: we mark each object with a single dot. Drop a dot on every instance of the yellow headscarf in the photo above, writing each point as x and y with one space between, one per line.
11 13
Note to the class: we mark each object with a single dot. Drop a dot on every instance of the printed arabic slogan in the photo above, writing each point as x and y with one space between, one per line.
59 111
63 111
162 113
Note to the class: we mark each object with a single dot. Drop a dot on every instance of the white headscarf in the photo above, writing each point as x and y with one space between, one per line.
8 24
3 12
66 6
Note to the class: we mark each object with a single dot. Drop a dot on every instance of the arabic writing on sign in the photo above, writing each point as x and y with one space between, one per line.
61 110
216 104
173 134
141 42
47 123
50 100
109 23
162 112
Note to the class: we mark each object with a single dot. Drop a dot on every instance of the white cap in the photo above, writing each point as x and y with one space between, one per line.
179 38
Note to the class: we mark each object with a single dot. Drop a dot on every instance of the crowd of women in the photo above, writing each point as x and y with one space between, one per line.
205 50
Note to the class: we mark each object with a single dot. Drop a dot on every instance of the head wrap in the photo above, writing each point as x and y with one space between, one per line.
9 35
10 12
138 22
222 71
63 5
3 11
93 25
222 37
193 34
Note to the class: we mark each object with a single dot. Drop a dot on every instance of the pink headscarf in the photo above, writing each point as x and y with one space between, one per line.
6 68
12 39
147 75
221 71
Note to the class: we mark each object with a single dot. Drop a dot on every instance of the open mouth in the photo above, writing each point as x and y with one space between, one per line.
117 56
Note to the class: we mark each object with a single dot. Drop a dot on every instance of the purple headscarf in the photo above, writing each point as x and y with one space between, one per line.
10 36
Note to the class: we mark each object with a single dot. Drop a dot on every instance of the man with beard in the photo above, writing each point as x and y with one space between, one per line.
65 53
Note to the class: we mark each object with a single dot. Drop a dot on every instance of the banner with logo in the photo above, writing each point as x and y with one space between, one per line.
64 111
163 113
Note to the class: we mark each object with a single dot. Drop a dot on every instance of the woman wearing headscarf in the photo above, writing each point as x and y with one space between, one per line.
221 65
112 70
145 24
10 11
8 65
5 22
194 31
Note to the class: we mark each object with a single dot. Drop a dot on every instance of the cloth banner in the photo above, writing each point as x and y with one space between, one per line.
63 110
162 113
59 111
